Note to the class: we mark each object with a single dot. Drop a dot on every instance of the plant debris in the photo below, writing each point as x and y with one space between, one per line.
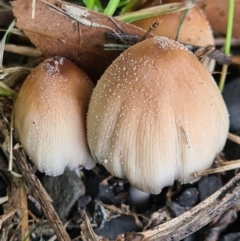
80 25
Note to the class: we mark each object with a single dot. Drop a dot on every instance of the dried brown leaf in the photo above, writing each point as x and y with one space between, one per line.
64 29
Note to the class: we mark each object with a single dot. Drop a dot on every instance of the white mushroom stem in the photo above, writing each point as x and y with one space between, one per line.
138 198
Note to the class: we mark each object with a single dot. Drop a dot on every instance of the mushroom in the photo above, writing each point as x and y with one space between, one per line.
50 113
156 115
195 29
217 14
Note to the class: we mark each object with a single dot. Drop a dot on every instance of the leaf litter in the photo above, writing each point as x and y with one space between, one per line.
83 37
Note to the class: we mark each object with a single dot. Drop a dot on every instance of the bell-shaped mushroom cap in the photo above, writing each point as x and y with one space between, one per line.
195 29
217 14
50 116
156 115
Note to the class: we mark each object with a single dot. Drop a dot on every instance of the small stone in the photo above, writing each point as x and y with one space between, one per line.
119 225
188 198
207 186
64 190
231 95
176 209
231 237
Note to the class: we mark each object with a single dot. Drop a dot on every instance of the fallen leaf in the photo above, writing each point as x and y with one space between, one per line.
60 28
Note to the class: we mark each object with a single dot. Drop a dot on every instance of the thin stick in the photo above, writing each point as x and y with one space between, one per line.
24 212
11 145
226 167
33 8
111 7
39 193
234 138
194 219
228 42
4 217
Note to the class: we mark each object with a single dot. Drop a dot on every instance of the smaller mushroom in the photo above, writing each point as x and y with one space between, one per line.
49 116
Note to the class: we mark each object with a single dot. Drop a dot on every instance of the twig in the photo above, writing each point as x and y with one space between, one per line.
200 51
78 16
234 138
38 192
195 218
24 212
23 50
226 167
217 227
87 231
3 199
7 215
151 28
221 41
11 145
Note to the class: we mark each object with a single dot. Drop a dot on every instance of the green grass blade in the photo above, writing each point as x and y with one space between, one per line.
154 11
111 7
2 43
90 4
99 6
6 91
183 15
228 42
132 5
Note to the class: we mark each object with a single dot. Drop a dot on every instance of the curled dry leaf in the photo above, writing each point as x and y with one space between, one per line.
63 29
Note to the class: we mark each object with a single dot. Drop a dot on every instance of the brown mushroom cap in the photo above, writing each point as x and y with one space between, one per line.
156 115
195 28
50 113
217 14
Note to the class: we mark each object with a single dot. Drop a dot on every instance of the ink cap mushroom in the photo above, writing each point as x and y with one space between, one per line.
195 28
156 115
217 14
50 116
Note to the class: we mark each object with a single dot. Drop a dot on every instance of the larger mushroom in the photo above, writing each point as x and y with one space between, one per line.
156 115
50 113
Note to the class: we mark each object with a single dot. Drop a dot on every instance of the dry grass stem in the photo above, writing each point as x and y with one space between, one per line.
24 212
226 167
2 43
23 50
8 215
87 231
11 145
33 8
3 200
221 42
39 193
15 31
234 138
